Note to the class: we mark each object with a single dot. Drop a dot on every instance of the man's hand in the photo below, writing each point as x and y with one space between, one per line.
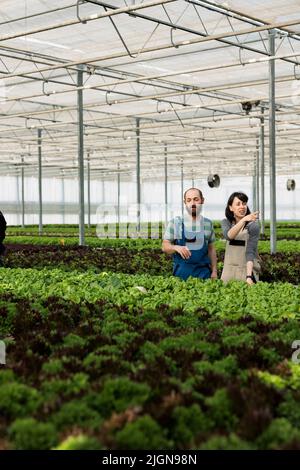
214 274
183 251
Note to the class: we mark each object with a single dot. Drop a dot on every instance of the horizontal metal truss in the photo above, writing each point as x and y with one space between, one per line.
193 73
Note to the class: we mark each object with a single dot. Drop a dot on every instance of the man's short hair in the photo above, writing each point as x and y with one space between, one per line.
197 189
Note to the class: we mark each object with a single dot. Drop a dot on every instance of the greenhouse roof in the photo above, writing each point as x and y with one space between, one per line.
188 78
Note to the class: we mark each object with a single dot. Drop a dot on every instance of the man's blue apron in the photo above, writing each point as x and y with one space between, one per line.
198 265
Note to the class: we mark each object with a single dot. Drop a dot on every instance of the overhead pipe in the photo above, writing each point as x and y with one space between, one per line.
174 26
103 86
151 97
207 38
224 9
92 17
199 120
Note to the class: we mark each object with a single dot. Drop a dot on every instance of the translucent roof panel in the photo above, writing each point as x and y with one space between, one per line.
190 77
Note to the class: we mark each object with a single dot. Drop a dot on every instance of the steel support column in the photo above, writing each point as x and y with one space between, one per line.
257 174
39 140
166 184
63 196
181 183
119 195
272 148
262 170
22 191
80 154
254 192
89 190
18 196
138 175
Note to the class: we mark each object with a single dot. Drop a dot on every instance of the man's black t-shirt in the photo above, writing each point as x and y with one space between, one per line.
2 227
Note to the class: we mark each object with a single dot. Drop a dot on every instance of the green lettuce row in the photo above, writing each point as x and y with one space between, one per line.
283 246
266 301
85 376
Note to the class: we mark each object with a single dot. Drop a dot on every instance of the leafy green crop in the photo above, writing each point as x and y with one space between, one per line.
235 299
144 433
76 413
188 422
117 395
279 433
176 365
18 400
220 410
29 434
80 442
232 442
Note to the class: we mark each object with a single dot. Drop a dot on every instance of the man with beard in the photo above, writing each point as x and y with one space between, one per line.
190 239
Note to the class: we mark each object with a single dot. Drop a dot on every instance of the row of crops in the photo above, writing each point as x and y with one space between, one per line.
137 257
106 350
285 231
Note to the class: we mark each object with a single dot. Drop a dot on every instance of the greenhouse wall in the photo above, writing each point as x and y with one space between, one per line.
60 198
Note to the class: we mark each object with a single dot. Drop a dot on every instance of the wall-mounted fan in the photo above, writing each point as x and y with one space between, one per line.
213 181
290 185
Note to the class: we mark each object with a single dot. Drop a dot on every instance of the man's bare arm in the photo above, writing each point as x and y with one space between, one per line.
170 249
212 254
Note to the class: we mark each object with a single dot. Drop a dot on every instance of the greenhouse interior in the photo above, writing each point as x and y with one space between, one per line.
150 226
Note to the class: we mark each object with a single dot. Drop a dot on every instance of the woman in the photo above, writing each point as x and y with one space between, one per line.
241 230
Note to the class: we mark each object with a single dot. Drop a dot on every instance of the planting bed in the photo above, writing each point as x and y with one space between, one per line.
145 362
105 349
